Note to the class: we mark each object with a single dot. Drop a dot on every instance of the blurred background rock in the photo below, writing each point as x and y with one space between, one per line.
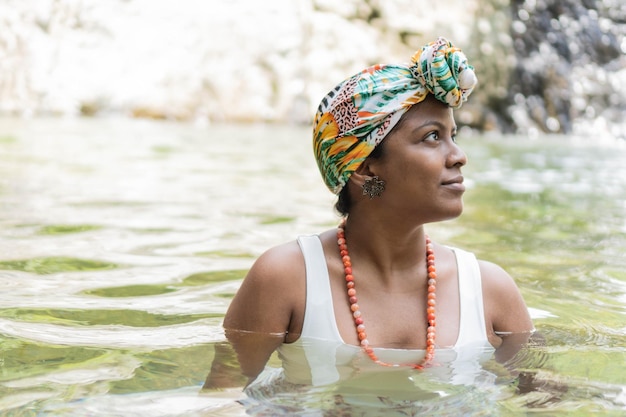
554 66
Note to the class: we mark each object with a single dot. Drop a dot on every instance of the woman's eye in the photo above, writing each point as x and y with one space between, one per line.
454 138
432 136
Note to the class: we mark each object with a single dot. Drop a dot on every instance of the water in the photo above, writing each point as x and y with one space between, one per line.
122 242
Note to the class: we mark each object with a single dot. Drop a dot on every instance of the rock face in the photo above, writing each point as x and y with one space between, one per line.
543 64
570 63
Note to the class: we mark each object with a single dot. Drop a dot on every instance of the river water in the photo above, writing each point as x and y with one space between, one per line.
123 241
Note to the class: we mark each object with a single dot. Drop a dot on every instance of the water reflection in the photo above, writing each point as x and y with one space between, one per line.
468 384
122 243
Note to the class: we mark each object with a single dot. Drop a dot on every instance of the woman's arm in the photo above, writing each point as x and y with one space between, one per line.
508 322
261 316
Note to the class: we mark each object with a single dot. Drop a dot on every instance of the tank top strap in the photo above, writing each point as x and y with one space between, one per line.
319 313
472 328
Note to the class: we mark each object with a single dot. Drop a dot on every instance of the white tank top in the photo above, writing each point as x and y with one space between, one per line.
327 357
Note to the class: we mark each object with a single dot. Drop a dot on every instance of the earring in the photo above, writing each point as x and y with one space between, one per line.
373 187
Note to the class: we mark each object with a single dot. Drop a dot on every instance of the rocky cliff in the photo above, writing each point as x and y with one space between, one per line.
543 65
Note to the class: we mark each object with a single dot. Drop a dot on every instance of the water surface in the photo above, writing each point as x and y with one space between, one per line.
122 243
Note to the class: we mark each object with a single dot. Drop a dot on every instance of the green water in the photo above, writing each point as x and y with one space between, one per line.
122 243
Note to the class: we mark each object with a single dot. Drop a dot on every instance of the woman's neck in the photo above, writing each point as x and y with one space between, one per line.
389 245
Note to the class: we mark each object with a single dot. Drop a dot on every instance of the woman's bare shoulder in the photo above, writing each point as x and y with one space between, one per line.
504 306
281 264
271 293
278 264
494 276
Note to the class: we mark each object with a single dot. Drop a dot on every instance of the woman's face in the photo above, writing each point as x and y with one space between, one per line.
421 164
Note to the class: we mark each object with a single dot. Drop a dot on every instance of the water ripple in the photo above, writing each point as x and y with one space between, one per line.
118 264
121 337
51 265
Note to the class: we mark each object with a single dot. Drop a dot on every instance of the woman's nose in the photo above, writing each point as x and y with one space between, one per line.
456 156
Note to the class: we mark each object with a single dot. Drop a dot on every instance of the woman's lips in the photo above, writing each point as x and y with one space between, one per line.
455 184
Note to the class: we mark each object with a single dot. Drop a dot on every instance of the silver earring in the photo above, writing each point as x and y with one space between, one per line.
373 187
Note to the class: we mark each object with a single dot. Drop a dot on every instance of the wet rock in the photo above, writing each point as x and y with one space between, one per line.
566 52
543 65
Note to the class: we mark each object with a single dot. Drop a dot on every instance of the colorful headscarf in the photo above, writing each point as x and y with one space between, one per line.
357 114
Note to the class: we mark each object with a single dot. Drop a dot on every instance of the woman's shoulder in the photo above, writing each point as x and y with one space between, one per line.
278 263
499 287
504 305
284 261
495 277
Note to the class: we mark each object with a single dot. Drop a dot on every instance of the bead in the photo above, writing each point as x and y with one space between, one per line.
356 312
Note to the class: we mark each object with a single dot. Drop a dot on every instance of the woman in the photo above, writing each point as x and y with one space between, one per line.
376 287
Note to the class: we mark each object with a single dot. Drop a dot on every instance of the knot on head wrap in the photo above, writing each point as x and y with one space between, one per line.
443 70
358 113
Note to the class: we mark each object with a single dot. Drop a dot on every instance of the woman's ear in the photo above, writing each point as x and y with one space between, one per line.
365 178
362 173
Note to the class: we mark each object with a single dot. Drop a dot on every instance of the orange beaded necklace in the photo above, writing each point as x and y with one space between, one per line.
356 313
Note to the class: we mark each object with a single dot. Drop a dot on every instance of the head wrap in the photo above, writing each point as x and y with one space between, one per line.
358 113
